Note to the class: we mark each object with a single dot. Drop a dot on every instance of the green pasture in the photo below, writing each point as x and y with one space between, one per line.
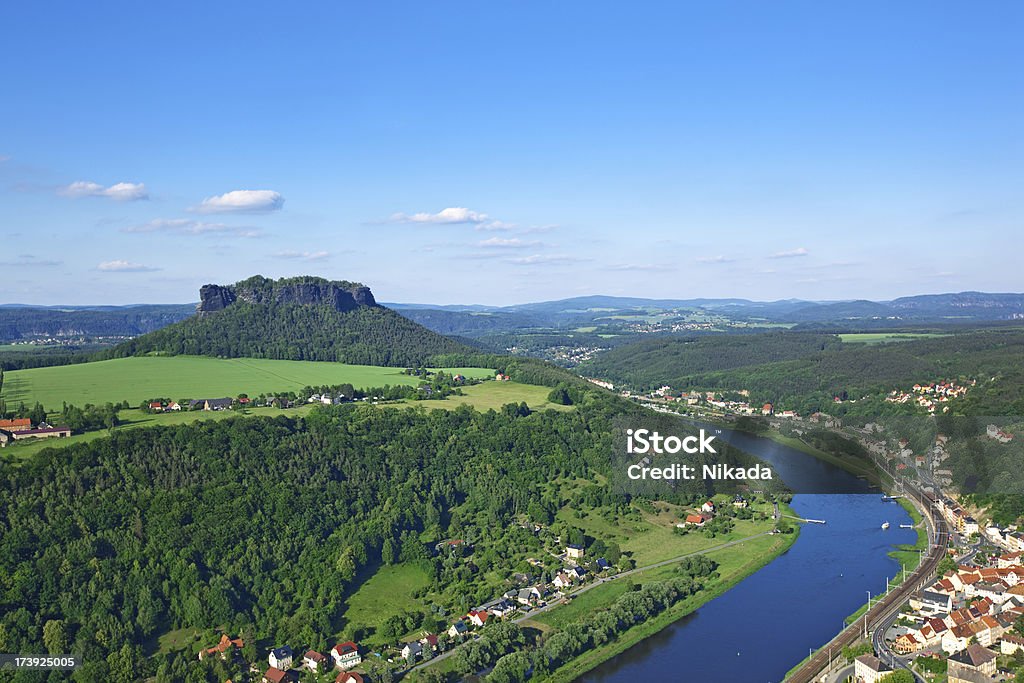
176 377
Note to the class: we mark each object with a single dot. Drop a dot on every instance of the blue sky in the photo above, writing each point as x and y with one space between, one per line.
467 152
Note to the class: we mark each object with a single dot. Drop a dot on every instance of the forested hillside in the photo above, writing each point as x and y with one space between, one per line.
262 526
806 371
18 322
653 362
287 331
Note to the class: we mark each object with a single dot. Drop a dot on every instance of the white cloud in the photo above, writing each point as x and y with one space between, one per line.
450 216
242 201
303 255
643 267
119 266
121 192
714 259
507 243
4 157
539 259
188 226
495 226
792 253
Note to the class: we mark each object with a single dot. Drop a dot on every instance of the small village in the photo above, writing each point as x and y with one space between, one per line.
969 622
354 663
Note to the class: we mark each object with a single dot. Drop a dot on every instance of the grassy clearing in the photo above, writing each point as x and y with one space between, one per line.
885 337
176 377
494 395
653 538
387 593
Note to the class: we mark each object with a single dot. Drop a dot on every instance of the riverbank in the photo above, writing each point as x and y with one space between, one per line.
857 466
735 565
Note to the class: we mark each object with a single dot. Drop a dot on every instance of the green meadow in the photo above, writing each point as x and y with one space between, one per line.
494 395
885 337
136 379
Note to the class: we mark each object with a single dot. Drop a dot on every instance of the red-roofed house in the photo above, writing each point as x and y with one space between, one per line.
346 655
348 677
275 675
906 643
16 425
696 520
222 647
478 618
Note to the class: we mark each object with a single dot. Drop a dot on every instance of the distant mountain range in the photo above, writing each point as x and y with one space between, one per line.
963 304
20 321
963 307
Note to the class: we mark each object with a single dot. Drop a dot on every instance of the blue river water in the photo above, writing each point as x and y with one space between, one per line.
766 624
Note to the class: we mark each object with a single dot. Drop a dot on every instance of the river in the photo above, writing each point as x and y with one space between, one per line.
763 626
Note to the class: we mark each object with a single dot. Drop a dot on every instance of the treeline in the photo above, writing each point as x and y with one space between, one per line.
367 335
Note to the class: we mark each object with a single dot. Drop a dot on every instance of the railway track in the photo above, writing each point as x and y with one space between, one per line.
881 611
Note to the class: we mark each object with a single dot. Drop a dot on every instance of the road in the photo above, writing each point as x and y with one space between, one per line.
886 610
601 582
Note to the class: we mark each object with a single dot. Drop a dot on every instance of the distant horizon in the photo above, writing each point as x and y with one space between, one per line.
15 304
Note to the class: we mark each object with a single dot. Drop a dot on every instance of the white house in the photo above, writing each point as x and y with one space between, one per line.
412 650
315 661
281 658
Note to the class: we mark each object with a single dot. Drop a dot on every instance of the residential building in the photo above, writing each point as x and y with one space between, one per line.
16 425
869 669
221 648
346 655
275 675
281 657
971 665
316 661
478 618
412 651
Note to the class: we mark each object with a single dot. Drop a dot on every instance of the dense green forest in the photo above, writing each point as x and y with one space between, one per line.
286 331
261 526
805 371
653 362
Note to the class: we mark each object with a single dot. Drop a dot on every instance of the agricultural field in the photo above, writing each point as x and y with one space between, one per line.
885 337
138 378
494 395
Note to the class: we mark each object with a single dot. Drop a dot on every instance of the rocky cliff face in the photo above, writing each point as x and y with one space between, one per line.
306 291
